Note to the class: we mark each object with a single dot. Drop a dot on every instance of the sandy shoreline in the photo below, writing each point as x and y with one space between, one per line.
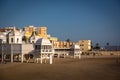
63 69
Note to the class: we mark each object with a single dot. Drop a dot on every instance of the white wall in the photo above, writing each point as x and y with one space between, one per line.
15 39
27 48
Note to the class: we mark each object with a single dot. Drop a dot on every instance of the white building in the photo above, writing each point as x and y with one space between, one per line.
16 52
75 51
33 38
3 36
43 50
14 37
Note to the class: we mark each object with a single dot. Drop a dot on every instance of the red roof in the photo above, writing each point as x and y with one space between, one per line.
3 29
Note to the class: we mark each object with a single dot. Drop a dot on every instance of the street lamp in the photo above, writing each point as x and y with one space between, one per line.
2 54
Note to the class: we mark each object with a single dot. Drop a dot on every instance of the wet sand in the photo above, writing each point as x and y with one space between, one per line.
63 69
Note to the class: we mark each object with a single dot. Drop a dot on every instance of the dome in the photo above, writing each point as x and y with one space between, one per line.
43 41
75 46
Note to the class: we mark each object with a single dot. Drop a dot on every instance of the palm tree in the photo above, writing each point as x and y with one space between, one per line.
68 40
24 38
97 46
107 44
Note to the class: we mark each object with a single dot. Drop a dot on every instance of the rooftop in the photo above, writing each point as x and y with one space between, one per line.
43 41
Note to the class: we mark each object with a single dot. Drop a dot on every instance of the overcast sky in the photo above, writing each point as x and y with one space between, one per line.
97 20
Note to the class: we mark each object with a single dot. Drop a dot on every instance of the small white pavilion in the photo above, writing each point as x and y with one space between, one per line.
75 51
43 51
33 38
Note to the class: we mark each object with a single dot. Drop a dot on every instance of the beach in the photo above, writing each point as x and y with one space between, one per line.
63 69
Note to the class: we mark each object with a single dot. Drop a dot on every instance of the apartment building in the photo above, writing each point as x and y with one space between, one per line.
41 32
85 45
28 30
62 44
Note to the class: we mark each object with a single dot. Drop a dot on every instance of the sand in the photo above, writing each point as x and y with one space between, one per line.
63 69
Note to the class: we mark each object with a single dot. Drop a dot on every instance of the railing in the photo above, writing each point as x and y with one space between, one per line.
45 51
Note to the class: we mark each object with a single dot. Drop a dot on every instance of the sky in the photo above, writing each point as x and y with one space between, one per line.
96 20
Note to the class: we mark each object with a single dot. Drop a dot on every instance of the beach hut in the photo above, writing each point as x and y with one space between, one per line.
75 51
43 51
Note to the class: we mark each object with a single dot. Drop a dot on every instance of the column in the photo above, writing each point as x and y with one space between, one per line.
45 58
11 57
58 56
50 58
28 57
80 55
73 53
22 56
2 57
11 53
37 59
64 55
34 57
2 54
41 58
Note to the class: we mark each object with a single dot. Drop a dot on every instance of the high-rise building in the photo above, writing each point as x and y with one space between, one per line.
28 30
42 32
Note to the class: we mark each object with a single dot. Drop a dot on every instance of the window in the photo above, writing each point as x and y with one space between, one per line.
35 46
42 47
43 50
50 50
11 40
38 46
82 41
81 44
17 40
46 50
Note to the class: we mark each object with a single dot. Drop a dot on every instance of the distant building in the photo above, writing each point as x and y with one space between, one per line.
62 44
52 38
28 30
6 29
85 45
41 32
75 51
112 48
